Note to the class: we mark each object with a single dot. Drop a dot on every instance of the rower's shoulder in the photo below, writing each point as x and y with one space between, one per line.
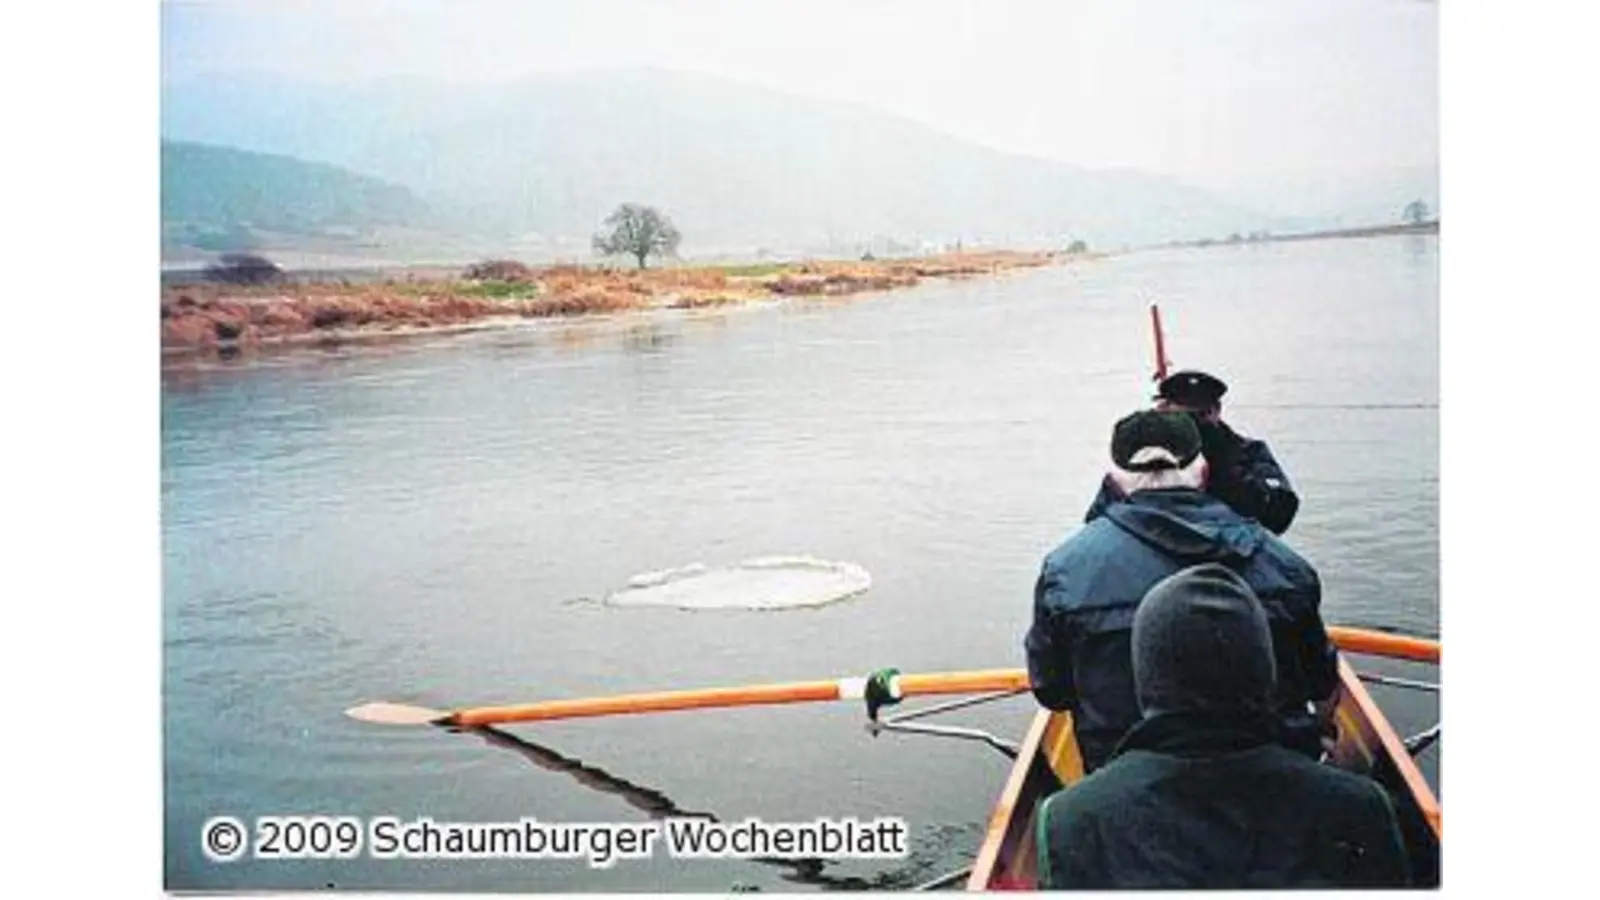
1089 538
1329 783
1125 775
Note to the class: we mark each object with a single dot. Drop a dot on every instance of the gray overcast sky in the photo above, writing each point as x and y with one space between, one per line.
1213 91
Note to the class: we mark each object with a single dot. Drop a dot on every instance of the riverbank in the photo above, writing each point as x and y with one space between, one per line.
212 317
1262 237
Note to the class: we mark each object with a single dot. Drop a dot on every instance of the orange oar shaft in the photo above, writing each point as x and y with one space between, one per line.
1378 643
1350 640
963 682
752 695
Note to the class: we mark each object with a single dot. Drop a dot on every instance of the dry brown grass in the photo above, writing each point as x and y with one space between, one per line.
206 316
681 279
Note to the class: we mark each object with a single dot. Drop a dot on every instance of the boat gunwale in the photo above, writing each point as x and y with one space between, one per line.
1393 747
1005 808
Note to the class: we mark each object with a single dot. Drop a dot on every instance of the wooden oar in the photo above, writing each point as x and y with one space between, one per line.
709 698
1353 640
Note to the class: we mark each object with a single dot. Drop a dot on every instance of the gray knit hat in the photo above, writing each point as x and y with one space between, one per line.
1201 643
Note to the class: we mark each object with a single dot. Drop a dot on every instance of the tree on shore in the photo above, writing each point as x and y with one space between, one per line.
638 231
1078 246
244 268
1416 212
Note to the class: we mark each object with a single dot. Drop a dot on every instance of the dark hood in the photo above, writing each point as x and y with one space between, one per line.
1201 644
1190 525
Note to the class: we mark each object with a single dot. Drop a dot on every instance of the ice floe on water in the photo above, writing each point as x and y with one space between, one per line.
765 583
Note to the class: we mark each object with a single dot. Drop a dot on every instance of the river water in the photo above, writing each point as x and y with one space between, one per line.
421 522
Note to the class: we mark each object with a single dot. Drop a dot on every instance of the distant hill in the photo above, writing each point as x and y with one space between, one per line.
218 199
737 167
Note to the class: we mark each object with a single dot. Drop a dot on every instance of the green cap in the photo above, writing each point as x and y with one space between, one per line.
1148 440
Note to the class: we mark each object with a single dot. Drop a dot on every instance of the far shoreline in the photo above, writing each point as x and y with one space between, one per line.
1430 227
209 320
206 319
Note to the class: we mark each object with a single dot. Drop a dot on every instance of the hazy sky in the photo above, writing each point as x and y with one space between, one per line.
1211 91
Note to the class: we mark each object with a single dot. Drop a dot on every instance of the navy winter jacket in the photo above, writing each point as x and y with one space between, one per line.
1078 651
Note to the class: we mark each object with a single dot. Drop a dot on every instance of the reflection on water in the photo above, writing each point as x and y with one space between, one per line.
648 338
647 800
809 871
407 521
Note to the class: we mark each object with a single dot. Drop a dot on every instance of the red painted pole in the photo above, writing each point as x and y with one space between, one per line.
1161 343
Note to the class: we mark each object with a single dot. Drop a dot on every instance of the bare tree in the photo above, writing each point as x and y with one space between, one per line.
1416 212
638 231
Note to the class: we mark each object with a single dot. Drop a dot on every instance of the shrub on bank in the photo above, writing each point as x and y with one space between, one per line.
244 268
508 270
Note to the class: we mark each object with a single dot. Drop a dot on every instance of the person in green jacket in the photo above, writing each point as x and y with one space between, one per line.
1199 794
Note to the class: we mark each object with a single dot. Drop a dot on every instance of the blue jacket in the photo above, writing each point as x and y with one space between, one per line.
1079 656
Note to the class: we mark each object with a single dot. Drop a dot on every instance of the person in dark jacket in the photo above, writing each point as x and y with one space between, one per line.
1199 795
1244 473
1089 586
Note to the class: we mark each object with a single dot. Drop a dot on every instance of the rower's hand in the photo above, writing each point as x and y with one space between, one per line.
1328 722
1330 737
1220 444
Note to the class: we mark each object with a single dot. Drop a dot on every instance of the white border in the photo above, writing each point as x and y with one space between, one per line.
81 406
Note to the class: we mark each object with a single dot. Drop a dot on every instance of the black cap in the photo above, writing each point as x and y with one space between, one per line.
1174 432
1193 389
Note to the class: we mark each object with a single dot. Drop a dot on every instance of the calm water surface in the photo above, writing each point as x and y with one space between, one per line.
413 522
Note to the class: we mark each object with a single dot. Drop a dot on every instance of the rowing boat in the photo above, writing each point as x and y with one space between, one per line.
1048 760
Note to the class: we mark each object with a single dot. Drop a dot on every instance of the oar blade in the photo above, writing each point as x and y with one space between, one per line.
395 714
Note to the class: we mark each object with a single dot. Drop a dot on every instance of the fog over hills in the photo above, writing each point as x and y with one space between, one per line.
546 157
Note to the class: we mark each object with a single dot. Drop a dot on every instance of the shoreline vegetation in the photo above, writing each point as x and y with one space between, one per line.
206 317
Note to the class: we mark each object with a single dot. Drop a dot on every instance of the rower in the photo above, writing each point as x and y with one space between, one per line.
1243 472
1164 521
1199 794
